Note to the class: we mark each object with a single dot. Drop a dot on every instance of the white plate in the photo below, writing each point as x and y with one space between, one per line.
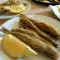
55 10
27 9
15 21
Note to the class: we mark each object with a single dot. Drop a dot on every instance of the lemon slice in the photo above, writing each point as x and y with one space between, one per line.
15 8
15 47
30 52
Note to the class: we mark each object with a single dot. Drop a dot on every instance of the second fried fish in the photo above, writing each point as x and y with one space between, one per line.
30 25
43 26
36 44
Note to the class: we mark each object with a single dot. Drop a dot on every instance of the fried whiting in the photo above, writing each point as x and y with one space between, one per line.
35 44
48 29
29 32
23 26
8 3
30 25
43 26
39 45
26 31
12 2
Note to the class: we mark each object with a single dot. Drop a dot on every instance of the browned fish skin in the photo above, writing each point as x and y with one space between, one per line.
26 31
39 45
35 44
12 2
29 32
29 24
43 26
47 28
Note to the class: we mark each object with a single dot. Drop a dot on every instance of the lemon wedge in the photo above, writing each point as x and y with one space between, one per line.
15 47
59 8
30 52
15 8
3 56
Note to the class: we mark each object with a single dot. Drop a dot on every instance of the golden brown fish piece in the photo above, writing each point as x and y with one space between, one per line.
12 2
43 26
35 44
26 31
30 25
39 45
47 28
30 33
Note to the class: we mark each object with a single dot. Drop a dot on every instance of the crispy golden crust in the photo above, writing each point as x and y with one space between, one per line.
30 33
43 26
39 46
47 28
12 2
26 31
35 43
30 25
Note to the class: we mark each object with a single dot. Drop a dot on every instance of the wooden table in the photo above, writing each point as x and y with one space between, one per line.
38 9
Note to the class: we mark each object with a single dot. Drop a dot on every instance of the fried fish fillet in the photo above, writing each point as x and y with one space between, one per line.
43 26
36 44
26 31
47 28
30 25
39 45
30 33
12 2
